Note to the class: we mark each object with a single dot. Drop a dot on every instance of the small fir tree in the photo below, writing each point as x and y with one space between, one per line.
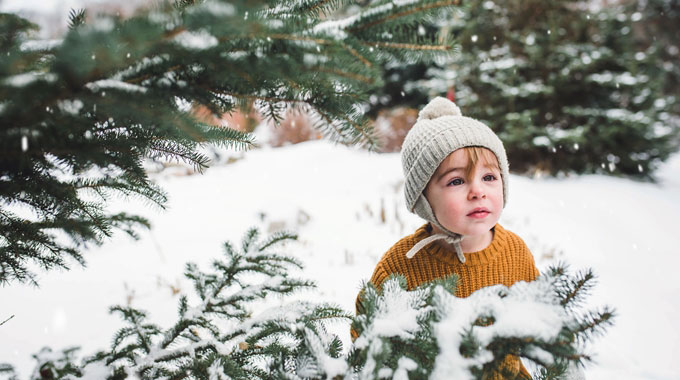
218 335
427 333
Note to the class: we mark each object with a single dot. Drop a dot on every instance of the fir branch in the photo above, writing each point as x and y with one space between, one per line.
356 54
276 238
321 5
290 37
147 76
345 74
169 149
577 289
594 322
404 13
320 41
396 45
357 127
268 99
6 320
125 185
76 18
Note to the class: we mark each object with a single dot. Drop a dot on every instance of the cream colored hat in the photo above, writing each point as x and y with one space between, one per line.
440 130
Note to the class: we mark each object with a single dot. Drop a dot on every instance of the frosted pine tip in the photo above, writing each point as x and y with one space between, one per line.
439 107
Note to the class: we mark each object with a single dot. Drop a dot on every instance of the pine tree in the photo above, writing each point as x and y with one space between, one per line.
427 333
218 333
79 117
564 86
657 35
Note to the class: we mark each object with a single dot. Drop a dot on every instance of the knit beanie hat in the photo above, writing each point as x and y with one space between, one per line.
440 130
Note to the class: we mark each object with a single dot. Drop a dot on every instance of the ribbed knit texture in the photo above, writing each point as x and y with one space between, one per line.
506 261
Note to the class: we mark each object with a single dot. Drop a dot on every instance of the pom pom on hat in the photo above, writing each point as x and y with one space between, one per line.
439 107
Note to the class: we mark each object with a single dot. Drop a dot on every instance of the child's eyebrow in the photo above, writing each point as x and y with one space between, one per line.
447 171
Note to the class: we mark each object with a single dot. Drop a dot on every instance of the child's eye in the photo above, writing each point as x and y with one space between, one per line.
489 177
456 182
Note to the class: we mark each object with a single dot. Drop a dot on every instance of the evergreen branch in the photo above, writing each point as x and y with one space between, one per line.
125 185
320 41
6 320
327 118
268 99
396 45
293 37
181 5
76 18
595 322
578 289
172 150
277 238
249 240
344 74
303 9
228 137
356 54
319 5
356 126
405 13
147 76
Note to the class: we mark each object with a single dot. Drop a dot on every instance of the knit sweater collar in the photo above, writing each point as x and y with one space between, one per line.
442 252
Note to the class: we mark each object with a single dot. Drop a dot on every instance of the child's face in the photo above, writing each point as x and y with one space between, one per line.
467 206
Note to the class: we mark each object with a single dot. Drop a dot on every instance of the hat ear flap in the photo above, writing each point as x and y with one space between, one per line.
423 209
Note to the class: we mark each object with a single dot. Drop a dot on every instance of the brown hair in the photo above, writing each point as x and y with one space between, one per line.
477 154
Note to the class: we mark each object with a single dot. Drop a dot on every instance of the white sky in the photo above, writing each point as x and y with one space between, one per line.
52 15
43 6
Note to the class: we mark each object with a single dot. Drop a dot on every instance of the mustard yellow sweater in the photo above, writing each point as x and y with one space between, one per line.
506 261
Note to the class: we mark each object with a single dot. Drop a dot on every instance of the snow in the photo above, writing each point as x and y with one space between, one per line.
336 28
95 371
38 45
216 8
396 315
625 78
142 65
623 229
403 366
502 64
21 80
71 107
112 83
196 40
526 309
332 367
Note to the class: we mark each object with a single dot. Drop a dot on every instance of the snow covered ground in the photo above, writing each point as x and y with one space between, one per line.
346 205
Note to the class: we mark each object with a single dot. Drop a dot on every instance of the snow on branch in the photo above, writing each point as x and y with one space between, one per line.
464 338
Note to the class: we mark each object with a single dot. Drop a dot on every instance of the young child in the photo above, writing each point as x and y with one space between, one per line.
456 178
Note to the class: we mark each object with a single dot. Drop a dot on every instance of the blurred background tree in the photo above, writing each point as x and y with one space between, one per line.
570 86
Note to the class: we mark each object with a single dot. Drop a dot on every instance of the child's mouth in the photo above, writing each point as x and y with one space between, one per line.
478 214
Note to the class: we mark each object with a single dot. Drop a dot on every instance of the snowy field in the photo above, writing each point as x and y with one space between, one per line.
346 205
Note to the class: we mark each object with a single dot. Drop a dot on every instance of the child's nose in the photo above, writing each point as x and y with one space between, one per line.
476 191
